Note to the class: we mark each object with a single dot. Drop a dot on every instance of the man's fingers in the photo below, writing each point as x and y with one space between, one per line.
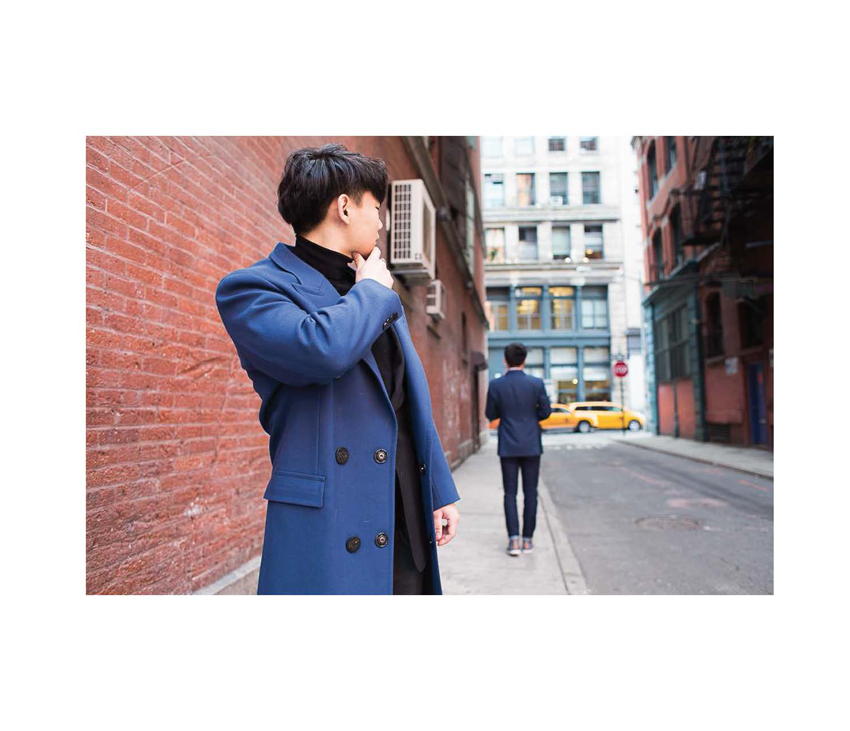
376 253
438 525
451 530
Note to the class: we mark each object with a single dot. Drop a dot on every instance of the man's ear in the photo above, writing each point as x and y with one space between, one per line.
343 202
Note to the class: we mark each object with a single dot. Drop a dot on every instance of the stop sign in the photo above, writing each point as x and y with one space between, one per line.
621 369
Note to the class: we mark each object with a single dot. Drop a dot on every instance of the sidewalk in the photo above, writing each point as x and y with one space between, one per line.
751 460
475 562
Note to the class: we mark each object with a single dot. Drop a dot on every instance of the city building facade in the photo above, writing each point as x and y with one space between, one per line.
707 225
563 272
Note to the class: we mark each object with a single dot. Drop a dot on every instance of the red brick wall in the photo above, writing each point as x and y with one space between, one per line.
654 217
666 409
176 459
726 395
683 404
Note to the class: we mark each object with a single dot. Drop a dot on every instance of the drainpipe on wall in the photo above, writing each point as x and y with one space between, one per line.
700 427
675 382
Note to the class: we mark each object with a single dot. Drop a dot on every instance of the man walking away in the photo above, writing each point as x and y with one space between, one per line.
519 401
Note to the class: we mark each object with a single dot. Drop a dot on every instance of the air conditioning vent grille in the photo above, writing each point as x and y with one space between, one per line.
412 231
402 220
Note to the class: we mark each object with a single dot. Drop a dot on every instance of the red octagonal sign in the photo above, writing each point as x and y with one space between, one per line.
621 369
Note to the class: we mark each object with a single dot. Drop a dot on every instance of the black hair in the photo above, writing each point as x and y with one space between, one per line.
515 354
313 177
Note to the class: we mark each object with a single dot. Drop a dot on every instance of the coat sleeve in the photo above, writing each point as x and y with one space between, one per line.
443 489
491 410
297 347
544 408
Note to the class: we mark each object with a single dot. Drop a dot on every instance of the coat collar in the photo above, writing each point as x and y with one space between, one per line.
310 280
316 287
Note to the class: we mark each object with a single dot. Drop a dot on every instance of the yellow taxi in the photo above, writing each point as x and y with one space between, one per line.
609 415
562 417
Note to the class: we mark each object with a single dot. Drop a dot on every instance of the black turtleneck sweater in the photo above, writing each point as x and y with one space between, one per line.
389 356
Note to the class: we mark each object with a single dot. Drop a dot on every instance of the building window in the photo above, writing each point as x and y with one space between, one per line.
491 146
534 362
561 243
494 190
497 308
496 363
524 146
751 317
713 325
594 308
590 188
557 144
528 308
562 308
495 245
528 243
558 189
564 374
589 144
652 168
593 242
464 337
658 256
596 374
671 152
594 314
525 189
672 358
676 235
498 316
470 225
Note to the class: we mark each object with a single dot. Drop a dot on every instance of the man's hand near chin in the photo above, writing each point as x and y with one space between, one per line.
446 532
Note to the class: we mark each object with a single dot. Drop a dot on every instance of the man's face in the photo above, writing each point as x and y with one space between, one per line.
365 223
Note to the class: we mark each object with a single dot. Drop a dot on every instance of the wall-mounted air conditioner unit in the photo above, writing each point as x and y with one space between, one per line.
435 300
412 231
556 200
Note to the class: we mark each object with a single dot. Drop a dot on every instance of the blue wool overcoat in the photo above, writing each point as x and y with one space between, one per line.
332 428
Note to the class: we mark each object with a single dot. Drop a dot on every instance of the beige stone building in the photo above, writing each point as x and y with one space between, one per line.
564 260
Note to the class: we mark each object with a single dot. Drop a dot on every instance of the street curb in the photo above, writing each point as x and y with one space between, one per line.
571 572
754 473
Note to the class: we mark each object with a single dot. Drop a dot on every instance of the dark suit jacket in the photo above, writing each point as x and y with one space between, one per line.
519 401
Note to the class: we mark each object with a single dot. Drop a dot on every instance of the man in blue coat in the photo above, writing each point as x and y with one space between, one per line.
360 494
519 401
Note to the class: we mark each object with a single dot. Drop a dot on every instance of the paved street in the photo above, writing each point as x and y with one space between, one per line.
619 519
641 522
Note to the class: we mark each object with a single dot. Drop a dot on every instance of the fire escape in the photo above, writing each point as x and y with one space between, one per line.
733 180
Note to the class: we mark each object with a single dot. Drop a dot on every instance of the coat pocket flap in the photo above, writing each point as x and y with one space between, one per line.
296 488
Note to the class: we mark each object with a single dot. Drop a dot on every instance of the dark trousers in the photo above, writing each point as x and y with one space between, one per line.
530 467
407 579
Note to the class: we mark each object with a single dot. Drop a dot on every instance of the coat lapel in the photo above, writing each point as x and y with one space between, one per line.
316 288
417 394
